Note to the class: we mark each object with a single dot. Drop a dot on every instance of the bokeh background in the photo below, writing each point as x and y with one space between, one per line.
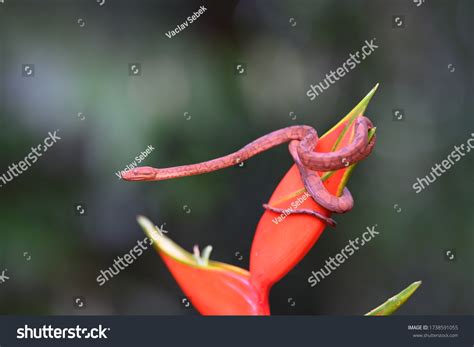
106 118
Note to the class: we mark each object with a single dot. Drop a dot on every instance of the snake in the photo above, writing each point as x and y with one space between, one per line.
302 140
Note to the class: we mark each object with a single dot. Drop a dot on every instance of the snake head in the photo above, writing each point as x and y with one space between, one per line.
144 173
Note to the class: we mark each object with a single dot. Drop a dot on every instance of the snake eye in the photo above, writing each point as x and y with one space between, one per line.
144 171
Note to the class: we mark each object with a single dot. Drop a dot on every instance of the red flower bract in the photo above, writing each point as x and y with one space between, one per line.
279 245
216 288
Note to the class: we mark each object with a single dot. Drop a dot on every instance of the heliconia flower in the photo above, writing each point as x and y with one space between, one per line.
213 288
280 243
216 288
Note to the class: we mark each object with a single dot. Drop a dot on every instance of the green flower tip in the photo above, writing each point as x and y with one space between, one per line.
394 303
361 107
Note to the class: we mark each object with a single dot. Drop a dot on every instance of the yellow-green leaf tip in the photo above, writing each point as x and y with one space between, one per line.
394 303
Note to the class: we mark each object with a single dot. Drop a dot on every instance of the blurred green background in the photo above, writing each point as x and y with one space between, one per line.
82 72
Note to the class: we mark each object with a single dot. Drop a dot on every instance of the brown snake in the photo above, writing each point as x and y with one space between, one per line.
302 142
